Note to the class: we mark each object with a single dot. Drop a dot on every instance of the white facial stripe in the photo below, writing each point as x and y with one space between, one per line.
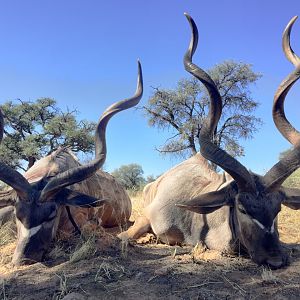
259 224
27 233
273 226
263 227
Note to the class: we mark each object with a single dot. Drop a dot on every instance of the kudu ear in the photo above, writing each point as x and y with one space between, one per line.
209 202
291 198
74 198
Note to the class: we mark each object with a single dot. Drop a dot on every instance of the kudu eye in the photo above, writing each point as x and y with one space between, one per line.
51 216
242 209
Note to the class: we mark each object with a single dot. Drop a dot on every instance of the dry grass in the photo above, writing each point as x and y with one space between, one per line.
7 243
214 272
63 287
289 219
86 250
293 180
7 233
6 253
201 253
289 225
137 204
268 276
109 271
58 251
124 248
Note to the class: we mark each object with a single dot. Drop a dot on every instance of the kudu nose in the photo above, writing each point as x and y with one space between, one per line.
275 262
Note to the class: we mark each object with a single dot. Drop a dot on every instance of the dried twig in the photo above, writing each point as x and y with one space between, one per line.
199 285
235 286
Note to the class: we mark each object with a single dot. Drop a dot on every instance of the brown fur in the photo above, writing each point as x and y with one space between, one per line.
185 181
100 185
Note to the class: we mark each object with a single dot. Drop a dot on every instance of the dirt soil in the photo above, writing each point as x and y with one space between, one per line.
102 267
147 270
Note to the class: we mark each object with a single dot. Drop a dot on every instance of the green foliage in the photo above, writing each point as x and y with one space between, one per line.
34 129
181 111
130 176
150 178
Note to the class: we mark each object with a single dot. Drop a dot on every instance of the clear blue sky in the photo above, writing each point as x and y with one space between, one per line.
83 54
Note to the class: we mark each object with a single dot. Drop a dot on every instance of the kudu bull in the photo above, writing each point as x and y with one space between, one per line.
54 183
191 203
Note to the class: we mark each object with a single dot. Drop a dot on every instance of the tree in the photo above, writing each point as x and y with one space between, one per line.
182 110
34 129
150 178
130 176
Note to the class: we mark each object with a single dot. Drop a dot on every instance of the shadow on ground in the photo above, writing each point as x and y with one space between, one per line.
153 271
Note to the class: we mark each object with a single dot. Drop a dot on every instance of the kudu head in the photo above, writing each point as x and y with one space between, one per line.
255 200
36 204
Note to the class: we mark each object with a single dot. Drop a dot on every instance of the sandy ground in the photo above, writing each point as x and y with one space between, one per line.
101 267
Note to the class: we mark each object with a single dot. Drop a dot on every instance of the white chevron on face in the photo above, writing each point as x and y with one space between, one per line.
25 232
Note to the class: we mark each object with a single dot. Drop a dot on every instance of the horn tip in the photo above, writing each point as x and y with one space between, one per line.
293 20
187 16
139 67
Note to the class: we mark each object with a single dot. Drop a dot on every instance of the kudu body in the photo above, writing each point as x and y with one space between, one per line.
191 203
58 191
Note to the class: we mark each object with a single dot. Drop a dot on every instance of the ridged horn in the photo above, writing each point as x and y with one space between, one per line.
290 162
207 148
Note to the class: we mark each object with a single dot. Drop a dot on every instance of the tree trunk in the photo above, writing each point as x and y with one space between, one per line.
31 161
